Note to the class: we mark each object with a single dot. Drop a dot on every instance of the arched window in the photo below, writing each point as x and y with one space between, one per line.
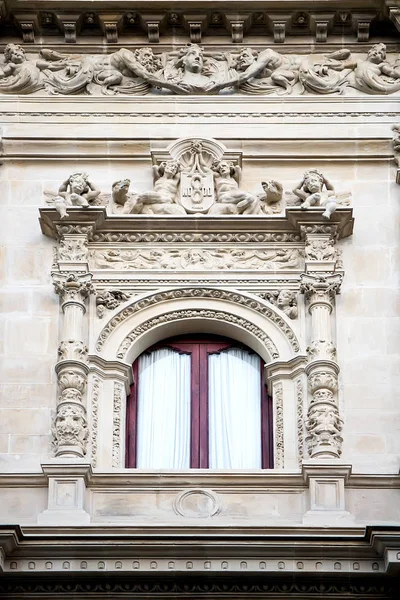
199 402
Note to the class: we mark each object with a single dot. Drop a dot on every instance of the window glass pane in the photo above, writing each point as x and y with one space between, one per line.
164 410
234 410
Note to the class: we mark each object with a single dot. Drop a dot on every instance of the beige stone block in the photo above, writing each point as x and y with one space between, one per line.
27 336
27 231
393 335
18 463
4 443
381 302
369 396
367 266
3 255
376 505
378 170
25 421
372 421
30 264
14 300
4 192
45 302
359 337
28 395
26 192
29 370
23 504
371 194
2 330
366 444
30 444
376 228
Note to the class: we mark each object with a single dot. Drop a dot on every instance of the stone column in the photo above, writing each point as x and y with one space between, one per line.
323 424
70 428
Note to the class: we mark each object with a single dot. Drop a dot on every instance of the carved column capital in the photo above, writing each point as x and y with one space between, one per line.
320 289
73 287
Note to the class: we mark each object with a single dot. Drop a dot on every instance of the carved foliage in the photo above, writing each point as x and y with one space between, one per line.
73 350
324 427
117 432
279 438
71 427
109 300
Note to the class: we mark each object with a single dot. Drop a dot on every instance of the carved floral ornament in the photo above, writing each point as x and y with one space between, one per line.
197 70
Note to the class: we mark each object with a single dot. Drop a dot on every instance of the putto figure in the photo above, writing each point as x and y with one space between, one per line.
17 74
316 190
162 199
77 190
230 199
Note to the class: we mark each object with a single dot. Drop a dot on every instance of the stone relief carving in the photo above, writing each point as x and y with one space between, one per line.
320 249
73 249
324 427
94 419
77 190
116 432
316 190
318 348
228 296
72 349
279 438
109 300
70 427
197 503
195 70
300 420
285 300
396 149
198 259
186 237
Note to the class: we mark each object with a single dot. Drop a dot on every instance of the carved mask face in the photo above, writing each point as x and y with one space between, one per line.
193 60
377 54
16 54
244 60
313 183
78 185
224 168
171 169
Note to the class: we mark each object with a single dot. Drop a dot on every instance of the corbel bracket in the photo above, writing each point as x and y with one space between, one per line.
237 25
361 24
152 24
28 24
111 26
394 15
196 25
320 26
70 25
279 27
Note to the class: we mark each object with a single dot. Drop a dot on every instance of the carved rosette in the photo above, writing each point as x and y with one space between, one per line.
70 428
323 423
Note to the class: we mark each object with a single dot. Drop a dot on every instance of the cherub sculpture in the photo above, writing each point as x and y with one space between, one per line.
77 190
230 199
311 191
376 75
17 74
161 200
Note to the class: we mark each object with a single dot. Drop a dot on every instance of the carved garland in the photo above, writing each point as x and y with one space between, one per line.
300 421
116 437
279 439
195 314
228 296
95 420
172 237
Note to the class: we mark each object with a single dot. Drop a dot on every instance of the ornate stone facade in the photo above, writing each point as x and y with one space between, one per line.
196 169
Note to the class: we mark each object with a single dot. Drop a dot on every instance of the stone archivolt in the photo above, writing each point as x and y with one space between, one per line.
196 70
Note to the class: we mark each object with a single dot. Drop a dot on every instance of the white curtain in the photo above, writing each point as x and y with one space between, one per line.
234 410
164 410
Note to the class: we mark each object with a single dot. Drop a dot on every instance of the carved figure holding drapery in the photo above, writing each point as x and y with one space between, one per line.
376 75
18 75
316 190
272 71
64 73
230 199
329 76
117 75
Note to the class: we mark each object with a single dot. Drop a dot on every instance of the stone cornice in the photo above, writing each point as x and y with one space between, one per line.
67 22
97 218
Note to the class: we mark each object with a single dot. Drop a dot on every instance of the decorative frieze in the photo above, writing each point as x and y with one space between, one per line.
197 70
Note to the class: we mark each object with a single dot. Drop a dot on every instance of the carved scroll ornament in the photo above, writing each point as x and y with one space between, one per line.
195 70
